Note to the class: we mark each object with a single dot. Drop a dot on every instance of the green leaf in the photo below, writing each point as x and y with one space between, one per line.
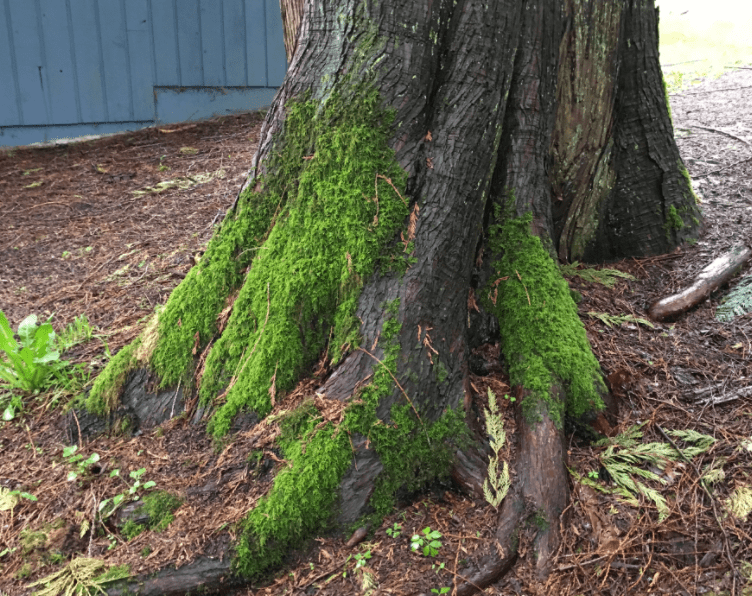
26 330
9 414
7 342
68 451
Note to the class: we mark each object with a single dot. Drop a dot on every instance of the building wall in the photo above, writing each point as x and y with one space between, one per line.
76 67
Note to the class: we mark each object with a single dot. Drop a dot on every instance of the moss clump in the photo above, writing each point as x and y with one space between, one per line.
668 101
304 285
412 452
304 495
688 178
674 221
300 502
543 339
105 392
159 506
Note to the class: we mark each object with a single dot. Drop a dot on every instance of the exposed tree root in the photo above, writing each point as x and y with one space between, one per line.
529 516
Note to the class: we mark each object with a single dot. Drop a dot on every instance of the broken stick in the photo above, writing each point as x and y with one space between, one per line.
712 277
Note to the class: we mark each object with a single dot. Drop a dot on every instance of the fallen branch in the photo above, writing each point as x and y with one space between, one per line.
722 132
712 277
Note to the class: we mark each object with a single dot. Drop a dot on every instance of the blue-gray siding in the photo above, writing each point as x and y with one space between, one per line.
73 67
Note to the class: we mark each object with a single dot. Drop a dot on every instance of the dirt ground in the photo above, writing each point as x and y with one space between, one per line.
84 231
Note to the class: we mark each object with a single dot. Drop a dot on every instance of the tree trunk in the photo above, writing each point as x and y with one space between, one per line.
292 15
420 154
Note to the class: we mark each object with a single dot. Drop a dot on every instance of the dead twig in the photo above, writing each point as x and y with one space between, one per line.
395 380
723 132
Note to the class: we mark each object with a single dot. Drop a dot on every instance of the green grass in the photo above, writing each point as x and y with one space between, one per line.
702 42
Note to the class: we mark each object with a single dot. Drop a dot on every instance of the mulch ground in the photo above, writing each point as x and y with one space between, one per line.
86 228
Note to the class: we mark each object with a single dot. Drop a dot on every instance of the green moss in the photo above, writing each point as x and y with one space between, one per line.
688 178
112 574
440 371
305 283
32 540
159 506
543 339
300 502
105 392
304 495
668 101
131 529
674 221
540 521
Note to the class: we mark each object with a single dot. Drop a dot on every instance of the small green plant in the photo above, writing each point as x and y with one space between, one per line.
429 542
77 332
606 277
611 320
77 461
109 506
11 405
10 498
625 454
162 167
442 590
360 561
80 576
394 531
30 366
495 486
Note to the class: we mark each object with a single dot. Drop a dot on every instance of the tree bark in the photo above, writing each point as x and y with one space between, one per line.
515 131
292 15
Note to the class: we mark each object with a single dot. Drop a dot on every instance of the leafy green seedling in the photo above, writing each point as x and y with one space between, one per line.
394 531
360 561
108 506
440 591
80 465
29 365
10 498
136 475
13 404
429 542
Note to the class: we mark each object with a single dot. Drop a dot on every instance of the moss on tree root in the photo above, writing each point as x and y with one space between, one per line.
304 496
300 246
542 337
297 252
